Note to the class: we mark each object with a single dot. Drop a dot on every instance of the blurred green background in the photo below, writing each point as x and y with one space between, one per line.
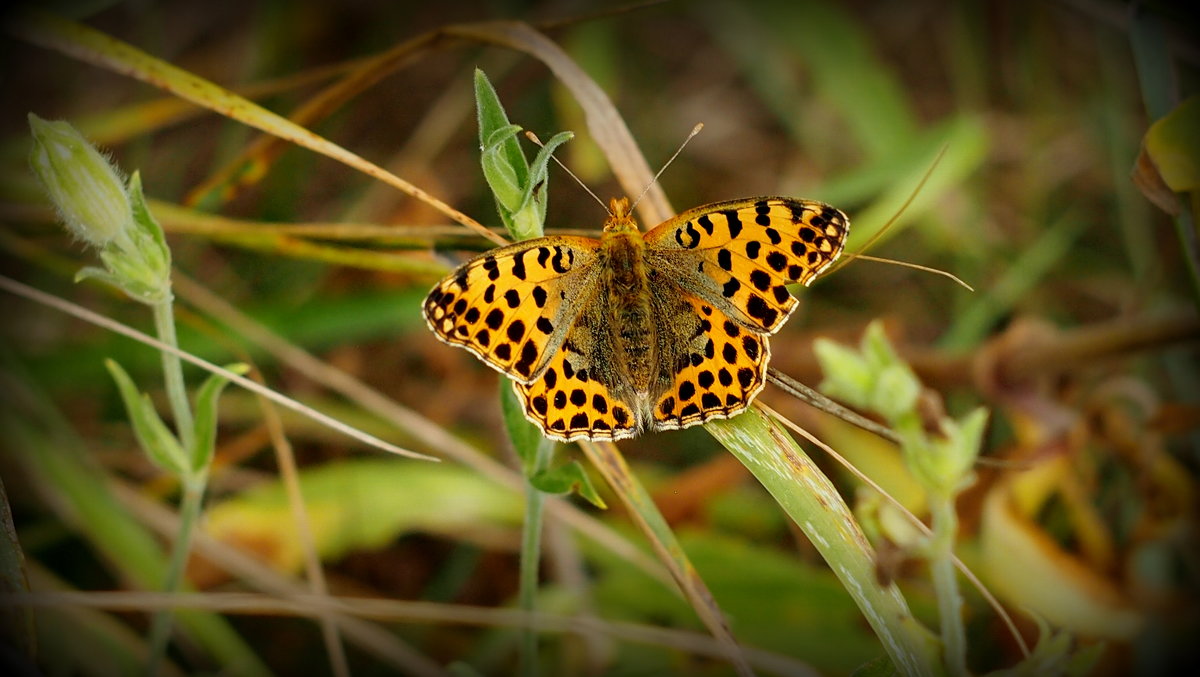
1038 111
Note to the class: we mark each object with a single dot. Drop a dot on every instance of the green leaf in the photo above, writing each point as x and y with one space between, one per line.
567 478
519 189
365 503
524 435
847 375
895 392
141 213
530 220
159 444
206 416
1173 142
492 117
99 274
506 180
504 165
16 623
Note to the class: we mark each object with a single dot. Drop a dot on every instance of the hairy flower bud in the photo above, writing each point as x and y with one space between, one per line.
84 187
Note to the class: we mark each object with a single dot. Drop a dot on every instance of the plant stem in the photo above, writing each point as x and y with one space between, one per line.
531 551
181 409
945 584
194 482
189 513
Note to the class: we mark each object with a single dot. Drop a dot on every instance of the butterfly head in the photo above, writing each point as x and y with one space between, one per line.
620 220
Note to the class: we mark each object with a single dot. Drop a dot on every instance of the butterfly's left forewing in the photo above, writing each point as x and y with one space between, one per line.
513 306
741 254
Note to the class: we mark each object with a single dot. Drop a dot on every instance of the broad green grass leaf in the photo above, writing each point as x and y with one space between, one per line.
364 504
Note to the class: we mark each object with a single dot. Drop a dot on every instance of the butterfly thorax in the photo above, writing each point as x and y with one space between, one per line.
625 286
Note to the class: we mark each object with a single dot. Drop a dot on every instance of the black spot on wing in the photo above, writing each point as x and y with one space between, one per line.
725 259
518 270
735 223
494 319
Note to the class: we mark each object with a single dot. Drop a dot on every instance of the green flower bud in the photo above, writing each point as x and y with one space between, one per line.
895 392
945 464
847 374
85 188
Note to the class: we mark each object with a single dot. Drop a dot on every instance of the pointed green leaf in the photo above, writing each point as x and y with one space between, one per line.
538 171
491 117
504 165
530 220
503 182
877 348
524 435
567 478
498 139
94 273
896 391
206 416
157 441
142 217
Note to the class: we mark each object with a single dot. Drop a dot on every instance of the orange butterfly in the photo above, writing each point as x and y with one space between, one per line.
605 339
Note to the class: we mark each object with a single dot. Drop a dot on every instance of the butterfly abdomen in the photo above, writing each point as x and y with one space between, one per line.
629 305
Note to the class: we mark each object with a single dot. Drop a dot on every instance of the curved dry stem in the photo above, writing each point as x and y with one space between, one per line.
289 475
94 47
604 123
252 163
381 642
302 605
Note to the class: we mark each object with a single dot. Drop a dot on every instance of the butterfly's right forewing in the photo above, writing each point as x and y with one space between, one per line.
741 255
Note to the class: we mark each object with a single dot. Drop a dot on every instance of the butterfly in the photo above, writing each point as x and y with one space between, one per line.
608 338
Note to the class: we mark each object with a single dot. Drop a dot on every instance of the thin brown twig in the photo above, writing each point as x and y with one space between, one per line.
575 19
1085 346
290 477
303 605
38 296
379 641
102 50
818 400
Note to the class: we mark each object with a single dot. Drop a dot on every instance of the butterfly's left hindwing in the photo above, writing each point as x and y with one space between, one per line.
512 305
741 254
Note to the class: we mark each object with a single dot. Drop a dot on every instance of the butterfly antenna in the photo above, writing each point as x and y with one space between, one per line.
850 256
695 131
533 137
917 266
